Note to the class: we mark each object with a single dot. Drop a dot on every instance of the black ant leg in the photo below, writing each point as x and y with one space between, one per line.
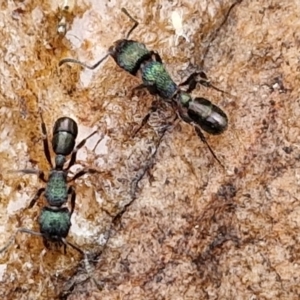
11 240
156 56
135 25
152 109
71 191
40 174
74 153
36 197
87 265
82 172
191 82
182 111
151 89
203 139
65 242
138 88
198 77
45 141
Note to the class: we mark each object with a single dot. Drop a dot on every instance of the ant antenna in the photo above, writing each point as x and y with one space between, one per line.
75 61
201 78
135 25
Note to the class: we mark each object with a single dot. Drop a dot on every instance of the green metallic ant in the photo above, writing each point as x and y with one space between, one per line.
55 218
137 60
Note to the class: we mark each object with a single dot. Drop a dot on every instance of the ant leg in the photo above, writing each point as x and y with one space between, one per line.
66 243
99 141
12 239
75 61
182 111
191 82
87 264
140 174
156 56
152 109
193 79
135 25
199 77
203 139
45 141
36 197
74 153
138 88
152 89
71 191
40 173
82 172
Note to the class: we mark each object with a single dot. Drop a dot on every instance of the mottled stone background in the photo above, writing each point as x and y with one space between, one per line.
163 220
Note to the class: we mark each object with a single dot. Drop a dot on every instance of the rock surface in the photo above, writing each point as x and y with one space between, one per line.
163 220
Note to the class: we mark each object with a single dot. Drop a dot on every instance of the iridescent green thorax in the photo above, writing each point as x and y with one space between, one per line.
56 191
129 54
54 224
158 80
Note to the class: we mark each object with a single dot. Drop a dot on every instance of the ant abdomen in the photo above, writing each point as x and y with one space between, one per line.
208 116
65 131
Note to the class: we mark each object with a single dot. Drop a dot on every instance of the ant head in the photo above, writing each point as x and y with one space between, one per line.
117 47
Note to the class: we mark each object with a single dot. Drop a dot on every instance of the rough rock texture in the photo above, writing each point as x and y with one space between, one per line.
163 220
